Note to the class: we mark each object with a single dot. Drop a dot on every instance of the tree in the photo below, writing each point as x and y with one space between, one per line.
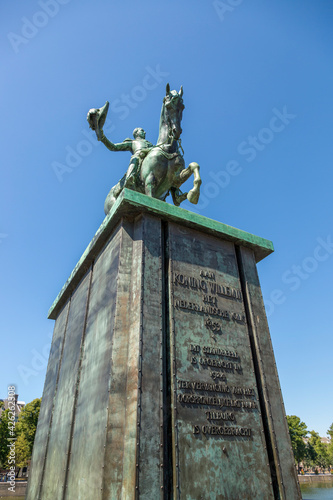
298 431
27 425
310 455
5 425
330 432
23 432
320 450
22 451
330 446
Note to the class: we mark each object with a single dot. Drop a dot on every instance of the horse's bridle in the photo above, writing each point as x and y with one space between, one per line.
170 156
172 138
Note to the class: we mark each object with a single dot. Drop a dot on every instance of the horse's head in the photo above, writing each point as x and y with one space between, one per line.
173 111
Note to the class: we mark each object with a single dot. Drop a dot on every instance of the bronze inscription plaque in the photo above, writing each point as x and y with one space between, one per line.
219 446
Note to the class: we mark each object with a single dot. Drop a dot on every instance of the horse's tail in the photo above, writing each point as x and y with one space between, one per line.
113 195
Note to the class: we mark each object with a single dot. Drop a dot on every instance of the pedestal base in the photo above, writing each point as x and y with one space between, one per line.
161 381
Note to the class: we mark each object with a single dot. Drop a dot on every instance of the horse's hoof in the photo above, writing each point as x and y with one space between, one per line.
193 196
179 199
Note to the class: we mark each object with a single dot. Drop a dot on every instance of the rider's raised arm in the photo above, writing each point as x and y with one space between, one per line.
121 146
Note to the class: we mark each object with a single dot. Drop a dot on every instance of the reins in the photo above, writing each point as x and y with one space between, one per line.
169 156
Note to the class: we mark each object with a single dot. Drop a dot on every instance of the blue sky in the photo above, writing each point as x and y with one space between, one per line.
257 80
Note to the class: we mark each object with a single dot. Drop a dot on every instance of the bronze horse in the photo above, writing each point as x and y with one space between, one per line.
163 169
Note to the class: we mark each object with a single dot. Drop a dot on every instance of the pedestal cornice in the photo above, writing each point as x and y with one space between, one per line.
130 204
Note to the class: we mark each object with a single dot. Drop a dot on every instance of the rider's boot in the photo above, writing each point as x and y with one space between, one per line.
130 177
130 182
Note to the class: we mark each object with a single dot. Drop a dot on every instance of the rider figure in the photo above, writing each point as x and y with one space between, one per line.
139 147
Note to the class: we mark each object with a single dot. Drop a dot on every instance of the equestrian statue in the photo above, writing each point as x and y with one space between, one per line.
156 171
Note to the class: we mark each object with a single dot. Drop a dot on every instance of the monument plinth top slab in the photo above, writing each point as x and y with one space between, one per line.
131 203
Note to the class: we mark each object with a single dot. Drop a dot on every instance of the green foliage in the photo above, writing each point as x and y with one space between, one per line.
330 446
27 423
22 451
24 432
4 436
319 450
330 454
298 431
330 432
310 455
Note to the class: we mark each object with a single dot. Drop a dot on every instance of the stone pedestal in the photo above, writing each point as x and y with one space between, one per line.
161 381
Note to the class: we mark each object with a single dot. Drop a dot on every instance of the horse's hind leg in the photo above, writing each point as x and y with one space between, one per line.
177 196
109 202
194 193
150 185
112 196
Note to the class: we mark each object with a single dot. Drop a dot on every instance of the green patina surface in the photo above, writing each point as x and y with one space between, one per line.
182 384
261 246
155 170
131 203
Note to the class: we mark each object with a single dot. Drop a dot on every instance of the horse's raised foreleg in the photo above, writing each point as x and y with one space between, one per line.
194 193
186 173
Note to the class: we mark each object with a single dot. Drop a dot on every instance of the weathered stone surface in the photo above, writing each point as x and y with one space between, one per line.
161 381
